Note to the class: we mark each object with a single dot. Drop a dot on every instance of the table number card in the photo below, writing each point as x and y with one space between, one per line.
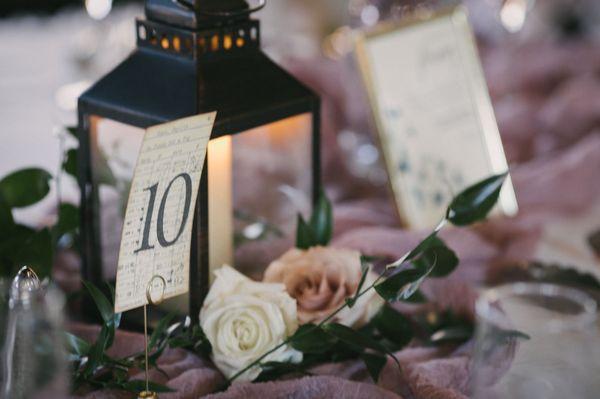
433 114
157 230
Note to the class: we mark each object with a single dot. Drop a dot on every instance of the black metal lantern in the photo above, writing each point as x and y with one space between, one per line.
193 57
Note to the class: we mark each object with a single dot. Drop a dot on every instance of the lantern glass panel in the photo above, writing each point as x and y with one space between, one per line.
114 147
258 180
272 182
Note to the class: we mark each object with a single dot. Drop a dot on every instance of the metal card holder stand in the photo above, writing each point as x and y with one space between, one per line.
147 394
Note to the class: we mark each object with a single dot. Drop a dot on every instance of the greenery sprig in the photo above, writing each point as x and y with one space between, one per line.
22 245
389 330
93 368
319 229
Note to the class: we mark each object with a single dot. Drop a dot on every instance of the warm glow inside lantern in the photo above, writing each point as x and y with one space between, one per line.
262 165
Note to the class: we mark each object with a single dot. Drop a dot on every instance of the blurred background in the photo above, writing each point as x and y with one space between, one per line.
53 50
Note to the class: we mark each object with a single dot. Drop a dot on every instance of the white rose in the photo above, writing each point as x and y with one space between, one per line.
243 319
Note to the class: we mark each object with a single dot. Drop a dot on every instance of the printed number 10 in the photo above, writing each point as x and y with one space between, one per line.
160 233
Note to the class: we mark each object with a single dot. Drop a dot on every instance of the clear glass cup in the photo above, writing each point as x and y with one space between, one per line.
536 340
32 355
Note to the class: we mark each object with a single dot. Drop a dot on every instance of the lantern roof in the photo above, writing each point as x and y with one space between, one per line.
177 71
197 14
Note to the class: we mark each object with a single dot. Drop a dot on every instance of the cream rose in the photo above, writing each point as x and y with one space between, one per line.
320 279
243 319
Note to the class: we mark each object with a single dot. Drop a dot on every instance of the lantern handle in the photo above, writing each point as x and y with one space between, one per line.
222 14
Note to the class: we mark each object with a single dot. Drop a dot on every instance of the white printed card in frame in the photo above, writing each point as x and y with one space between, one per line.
433 114
156 237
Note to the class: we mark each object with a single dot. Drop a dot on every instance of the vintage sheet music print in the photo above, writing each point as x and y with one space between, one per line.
157 230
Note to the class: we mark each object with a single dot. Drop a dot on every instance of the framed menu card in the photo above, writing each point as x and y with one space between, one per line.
433 114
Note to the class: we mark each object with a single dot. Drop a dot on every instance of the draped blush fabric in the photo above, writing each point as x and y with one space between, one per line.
546 101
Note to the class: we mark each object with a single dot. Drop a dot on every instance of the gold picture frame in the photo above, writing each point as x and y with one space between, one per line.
432 112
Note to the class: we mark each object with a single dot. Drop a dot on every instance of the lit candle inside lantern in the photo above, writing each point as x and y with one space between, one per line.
220 211
220 205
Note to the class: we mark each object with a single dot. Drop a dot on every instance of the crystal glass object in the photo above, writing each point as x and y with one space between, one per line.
536 340
32 357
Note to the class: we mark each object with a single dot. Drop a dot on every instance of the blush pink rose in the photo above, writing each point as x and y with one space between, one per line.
320 278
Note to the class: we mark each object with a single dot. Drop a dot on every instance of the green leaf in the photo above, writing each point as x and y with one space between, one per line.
370 259
36 251
559 274
70 162
309 338
111 290
352 300
119 377
7 222
153 358
321 221
476 201
274 370
353 338
76 345
13 242
416 297
393 326
391 288
138 386
102 303
305 237
374 363
113 322
179 342
189 337
68 220
429 241
12 248
160 329
96 353
201 343
116 320
424 263
413 287
444 258
425 244
454 333
320 227
25 187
